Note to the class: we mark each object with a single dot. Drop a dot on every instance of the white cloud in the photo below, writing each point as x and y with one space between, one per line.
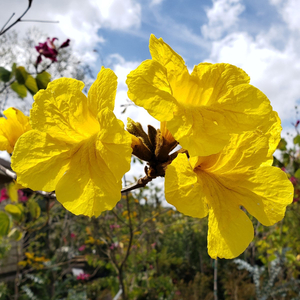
289 11
155 2
122 68
222 16
80 21
119 14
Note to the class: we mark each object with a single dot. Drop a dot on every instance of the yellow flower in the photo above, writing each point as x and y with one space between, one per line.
77 146
222 185
12 128
203 108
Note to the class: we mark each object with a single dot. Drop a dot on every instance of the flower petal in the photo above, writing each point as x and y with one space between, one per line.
148 87
40 160
215 81
176 70
230 231
183 190
265 193
62 111
93 182
12 128
103 91
198 132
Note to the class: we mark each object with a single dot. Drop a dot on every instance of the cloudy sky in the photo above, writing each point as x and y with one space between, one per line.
262 37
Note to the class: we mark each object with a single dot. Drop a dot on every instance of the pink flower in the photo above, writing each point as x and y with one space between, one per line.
3 195
73 236
113 246
82 248
134 246
49 50
113 226
151 267
293 180
83 276
22 196
153 245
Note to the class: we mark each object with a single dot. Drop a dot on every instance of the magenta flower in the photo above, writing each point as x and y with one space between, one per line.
83 276
73 236
22 196
3 195
293 180
82 248
48 49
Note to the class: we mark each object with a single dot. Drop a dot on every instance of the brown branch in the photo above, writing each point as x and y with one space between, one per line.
18 20
140 183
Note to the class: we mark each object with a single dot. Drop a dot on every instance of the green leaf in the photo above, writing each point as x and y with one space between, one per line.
297 174
31 85
4 74
42 80
15 234
15 211
20 89
34 209
21 75
4 223
297 140
282 145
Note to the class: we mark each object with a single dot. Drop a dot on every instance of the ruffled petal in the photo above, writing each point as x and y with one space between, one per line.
176 70
183 190
112 141
198 132
148 86
94 180
62 111
265 193
103 91
214 81
89 187
40 160
12 128
230 231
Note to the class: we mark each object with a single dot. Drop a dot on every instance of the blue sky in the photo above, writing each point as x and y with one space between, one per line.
262 37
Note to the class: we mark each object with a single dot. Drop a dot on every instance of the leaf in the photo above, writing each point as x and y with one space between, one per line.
20 89
12 192
4 223
15 211
42 80
297 174
21 75
31 85
297 140
15 234
4 74
282 145
34 209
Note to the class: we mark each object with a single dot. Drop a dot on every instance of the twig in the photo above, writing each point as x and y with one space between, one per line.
140 183
39 21
18 20
7 22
